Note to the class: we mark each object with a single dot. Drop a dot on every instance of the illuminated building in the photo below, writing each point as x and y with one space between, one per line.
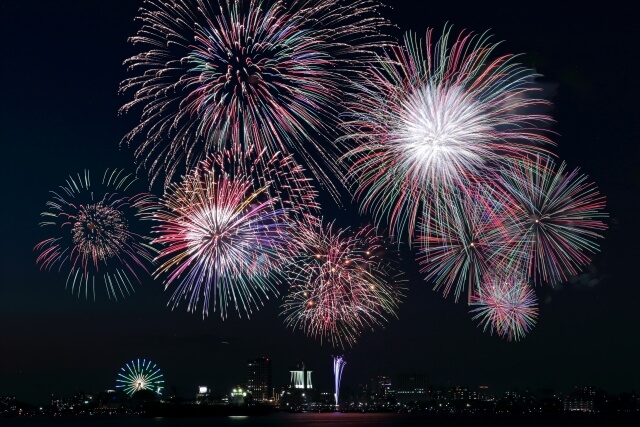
580 400
301 378
238 396
381 387
203 393
259 378
299 394
412 388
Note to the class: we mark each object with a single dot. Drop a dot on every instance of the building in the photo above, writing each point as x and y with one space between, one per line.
381 388
411 388
582 399
301 378
259 379
239 396
299 394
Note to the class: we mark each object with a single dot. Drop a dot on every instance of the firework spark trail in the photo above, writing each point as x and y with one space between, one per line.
220 234
557 221
508 307
338 284
244 73
279 175
432 117
94 238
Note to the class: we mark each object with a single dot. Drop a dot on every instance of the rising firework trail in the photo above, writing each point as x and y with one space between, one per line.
338 366
221 74
221 237
432 117
94 225
338 283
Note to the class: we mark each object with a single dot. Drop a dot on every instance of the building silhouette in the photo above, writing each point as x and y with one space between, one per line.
411 388
259 378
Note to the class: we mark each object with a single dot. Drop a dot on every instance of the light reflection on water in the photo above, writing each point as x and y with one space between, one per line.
330 419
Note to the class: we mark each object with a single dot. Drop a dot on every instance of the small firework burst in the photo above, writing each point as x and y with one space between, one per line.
508 307
94 239
339 285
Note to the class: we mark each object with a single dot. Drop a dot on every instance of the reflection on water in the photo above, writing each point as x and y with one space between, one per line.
336 418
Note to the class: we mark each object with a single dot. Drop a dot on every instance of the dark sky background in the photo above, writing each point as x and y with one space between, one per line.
61 66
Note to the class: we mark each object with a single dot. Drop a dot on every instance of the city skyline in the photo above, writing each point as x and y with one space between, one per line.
60 117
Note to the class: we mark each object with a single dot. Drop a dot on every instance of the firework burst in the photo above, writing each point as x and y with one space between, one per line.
339 286
463 236
221 237
508 307
94 239
557 221
431 117
244 73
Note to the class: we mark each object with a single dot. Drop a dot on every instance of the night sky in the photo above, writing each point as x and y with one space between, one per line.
61 66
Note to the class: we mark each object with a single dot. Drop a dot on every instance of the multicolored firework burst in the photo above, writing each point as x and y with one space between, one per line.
557 219
429 118
508 307
140 375
245 73
94 239
463 236
219 234
339 285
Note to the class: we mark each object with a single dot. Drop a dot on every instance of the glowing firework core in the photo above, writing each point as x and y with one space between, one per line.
440 129
240 62
100 231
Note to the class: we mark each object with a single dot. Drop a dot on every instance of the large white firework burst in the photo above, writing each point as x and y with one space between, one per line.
432 117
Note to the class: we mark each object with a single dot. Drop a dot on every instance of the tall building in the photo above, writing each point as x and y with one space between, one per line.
411 388
299 394
301 378
259 378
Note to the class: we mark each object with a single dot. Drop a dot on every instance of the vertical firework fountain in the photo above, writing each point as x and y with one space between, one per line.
338 366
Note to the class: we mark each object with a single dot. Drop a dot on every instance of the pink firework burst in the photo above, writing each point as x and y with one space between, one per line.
339 285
